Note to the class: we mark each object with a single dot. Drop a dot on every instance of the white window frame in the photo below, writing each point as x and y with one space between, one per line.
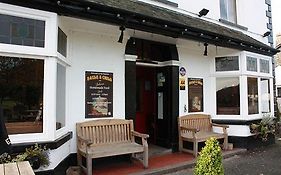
51 57
50 19
243 74
259 75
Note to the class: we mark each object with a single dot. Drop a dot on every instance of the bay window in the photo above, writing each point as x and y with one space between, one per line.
228 96
264 66
230 63
253 102
22 31
21 94
265 95
252 64
61 86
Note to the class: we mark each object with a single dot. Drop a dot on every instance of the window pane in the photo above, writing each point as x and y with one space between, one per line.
21 94
195 95
265 95
252 64
22 31
253 102
61 85
228 10
223 9
279 91
232 11
228 96
62 42
264 66
227 63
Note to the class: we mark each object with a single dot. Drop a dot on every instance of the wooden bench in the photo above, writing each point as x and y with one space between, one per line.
108 137
198 128
17 168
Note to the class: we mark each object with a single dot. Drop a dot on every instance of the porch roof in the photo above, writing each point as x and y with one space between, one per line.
150 18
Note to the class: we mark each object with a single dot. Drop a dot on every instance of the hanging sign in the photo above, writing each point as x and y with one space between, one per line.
99 94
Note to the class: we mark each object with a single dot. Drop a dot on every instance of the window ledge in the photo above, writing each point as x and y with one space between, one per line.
168 2
20 147
233 24
235 122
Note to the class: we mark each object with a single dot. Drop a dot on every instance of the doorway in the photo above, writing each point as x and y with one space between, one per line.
152 90
146 101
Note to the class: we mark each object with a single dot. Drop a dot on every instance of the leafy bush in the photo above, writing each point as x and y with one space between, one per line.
40 154
209 161
5 158
264 127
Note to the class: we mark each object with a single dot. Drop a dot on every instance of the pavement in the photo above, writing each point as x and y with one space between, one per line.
260 161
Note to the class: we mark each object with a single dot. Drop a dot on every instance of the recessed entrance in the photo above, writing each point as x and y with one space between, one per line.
152 90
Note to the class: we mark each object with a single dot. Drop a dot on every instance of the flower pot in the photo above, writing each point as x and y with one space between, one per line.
34 162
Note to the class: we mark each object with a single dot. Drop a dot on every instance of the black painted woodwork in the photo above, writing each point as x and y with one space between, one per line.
150 18
147 50
130 90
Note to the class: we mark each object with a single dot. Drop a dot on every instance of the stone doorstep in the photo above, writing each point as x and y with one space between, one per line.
186 165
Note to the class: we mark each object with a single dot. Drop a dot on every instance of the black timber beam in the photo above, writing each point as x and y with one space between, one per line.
105 14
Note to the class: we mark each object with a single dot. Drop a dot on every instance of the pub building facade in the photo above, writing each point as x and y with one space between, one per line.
63 62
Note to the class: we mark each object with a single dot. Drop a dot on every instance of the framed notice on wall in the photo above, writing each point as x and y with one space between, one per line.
195 95
99 94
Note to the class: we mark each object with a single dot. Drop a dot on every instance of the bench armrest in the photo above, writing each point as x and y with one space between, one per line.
194 130
222 126
143 138
137 134
84 140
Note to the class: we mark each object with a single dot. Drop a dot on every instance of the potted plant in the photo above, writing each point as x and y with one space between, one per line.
36 155
264 128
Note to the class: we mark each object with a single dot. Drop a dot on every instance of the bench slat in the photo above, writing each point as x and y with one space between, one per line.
1 169
25 168
115 149
11 169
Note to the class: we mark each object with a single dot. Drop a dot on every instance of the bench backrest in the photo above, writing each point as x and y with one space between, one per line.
197 121
106 131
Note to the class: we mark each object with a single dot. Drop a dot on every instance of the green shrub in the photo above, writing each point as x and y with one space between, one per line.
264 127
209 161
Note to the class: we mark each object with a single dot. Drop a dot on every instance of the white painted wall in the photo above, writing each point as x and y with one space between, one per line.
92 49
252 14
278 75
197 66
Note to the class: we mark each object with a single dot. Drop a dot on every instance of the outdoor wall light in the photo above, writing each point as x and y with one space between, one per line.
122 28
266 33
206 49
203 12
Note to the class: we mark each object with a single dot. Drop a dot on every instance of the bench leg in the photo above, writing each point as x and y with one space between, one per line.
89 165
225 143
145 157
195 148
79 159
180 144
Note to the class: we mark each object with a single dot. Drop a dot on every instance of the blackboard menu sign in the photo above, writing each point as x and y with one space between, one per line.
99 94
